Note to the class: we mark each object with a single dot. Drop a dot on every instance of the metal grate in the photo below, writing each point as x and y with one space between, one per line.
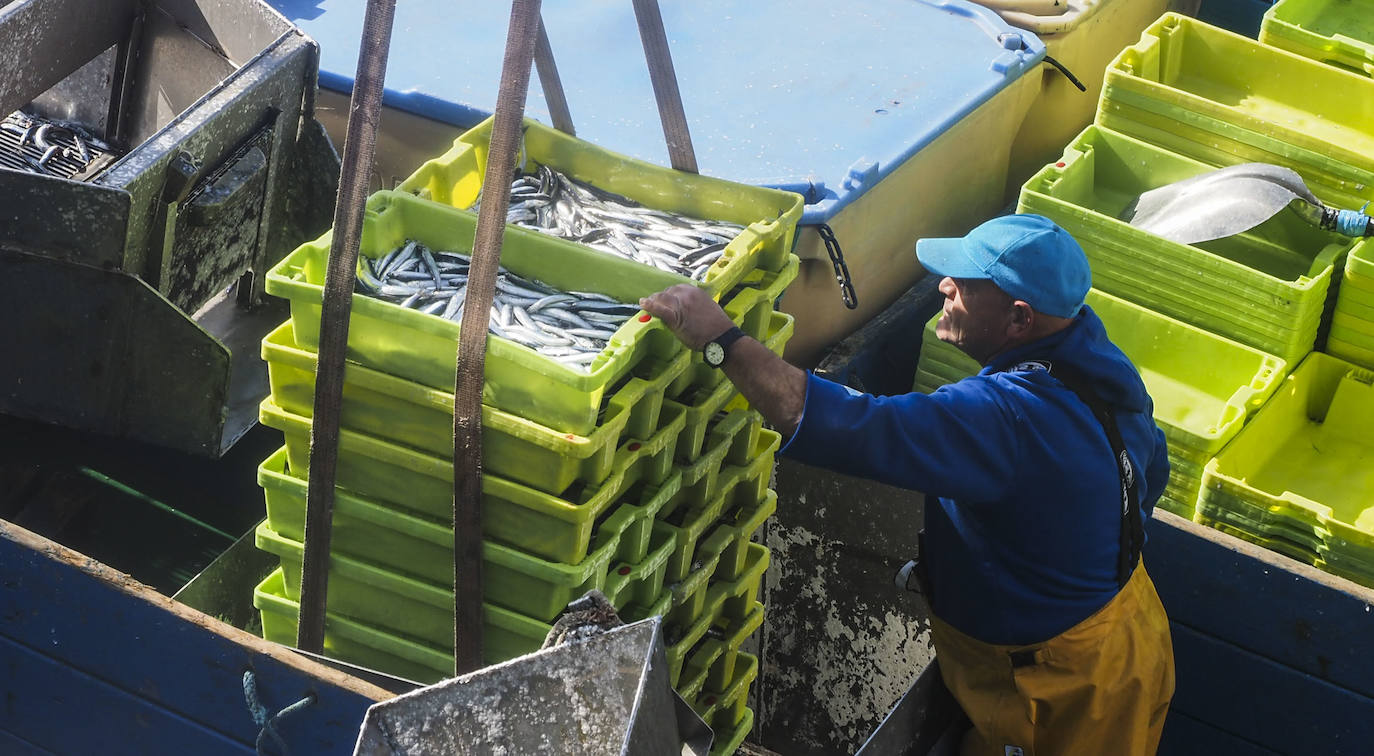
36 145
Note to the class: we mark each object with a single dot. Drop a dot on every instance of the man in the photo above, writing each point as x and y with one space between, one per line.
1039 472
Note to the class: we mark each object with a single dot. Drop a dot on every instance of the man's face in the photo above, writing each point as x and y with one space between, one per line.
976 317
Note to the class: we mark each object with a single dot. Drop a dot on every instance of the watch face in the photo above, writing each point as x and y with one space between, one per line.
714 354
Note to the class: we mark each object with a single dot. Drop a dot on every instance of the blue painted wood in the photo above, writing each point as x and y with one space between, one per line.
1186 736
67 711
1263 602
110 628
13 745
1241 692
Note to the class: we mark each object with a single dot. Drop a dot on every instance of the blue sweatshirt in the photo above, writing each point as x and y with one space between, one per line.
1022 519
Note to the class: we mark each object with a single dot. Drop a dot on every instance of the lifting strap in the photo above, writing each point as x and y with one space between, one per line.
360 144
506 132
1132 537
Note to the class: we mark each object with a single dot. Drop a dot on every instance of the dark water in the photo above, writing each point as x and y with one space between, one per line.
159 515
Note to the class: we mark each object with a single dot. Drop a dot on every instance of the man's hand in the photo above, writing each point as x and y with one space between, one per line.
773 387
689 312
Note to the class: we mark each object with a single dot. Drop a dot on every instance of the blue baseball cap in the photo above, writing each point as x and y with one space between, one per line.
1027 256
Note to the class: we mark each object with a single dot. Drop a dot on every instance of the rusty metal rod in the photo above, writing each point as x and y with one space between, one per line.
360 143
521 40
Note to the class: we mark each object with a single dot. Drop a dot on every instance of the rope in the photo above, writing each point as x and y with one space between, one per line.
1353 222
267 724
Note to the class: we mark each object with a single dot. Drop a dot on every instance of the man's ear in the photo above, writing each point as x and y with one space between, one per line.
1022 319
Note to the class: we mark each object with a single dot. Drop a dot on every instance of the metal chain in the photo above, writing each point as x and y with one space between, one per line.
832 248
267 724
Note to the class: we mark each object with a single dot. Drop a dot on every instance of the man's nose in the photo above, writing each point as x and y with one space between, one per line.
947 287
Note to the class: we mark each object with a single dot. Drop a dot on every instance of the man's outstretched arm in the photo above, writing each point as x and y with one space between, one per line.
774 388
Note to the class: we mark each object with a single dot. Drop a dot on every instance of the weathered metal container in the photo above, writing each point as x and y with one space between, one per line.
127 282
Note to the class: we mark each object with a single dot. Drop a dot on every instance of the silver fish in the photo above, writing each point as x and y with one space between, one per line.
555 204
569 327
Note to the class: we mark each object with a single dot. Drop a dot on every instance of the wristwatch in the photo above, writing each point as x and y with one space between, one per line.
717 349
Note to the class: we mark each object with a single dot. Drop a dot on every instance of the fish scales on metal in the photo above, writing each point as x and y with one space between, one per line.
570 327
553 203
53 148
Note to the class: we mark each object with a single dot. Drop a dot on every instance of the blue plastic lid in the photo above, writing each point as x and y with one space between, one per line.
815 96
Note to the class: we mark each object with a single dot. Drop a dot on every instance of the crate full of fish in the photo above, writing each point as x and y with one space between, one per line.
565 321
702 228
405 412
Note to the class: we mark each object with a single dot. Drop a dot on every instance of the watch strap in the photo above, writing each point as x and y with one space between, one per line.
735 333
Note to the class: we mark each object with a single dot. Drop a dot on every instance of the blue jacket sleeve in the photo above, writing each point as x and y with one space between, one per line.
959 442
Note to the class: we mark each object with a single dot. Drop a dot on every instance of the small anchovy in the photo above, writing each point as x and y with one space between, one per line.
40 142
553 203
569 327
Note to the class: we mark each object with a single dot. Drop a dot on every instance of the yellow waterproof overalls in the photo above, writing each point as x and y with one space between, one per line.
1101 687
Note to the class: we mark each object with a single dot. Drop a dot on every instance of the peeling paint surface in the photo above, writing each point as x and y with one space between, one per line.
841 643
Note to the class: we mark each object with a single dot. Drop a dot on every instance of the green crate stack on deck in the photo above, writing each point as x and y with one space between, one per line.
1298 479
1199 409
723 458
644 476
1234 315
1352 324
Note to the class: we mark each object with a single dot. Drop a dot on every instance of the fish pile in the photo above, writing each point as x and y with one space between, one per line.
555 204
570 327
52 148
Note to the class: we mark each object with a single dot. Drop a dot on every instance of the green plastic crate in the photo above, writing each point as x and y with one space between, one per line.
640 583
534 587
1308 453
1266 288
423 547
1262 522
729 741
703 406
1223 98
554 527
391 601
1336 32
745 502
1277 545
769 215
725 708
505 635
422 348
722 556
711 664
408 413
725 436
727 602
1360 263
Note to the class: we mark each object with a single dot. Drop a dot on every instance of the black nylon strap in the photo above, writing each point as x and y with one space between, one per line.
1132 529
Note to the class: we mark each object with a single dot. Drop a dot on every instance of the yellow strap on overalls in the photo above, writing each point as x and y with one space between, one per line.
1101 687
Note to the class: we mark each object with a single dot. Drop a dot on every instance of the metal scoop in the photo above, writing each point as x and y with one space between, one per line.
1233 200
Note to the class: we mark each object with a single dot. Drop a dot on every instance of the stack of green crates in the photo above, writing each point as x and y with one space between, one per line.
723 458
1189 98
1222 98
1266 288
630 477
1298 478
1204 386
1352 324
1336 32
